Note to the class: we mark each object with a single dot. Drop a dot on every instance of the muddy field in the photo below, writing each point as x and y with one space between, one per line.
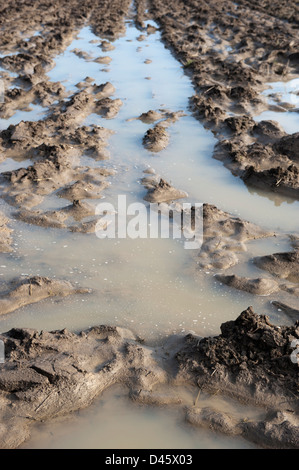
231 51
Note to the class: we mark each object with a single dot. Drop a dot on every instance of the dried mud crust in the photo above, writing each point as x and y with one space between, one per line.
51 374
231 50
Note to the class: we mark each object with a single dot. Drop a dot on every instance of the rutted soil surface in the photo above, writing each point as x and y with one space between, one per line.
49 374
231 51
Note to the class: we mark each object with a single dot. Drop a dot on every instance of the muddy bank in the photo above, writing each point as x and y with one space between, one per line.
231 51
50 374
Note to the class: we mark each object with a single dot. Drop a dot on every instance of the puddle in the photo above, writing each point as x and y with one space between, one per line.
134 281
10 164
34 112
113 422
284 92
289 120
285 97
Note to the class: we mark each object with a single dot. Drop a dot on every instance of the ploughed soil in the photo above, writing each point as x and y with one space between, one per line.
230 50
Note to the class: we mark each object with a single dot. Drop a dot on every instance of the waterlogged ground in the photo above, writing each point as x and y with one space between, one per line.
153 287
137 428
134 280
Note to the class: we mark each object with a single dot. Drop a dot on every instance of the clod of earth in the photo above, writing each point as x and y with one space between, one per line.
161 191
260 286
156 139
21 292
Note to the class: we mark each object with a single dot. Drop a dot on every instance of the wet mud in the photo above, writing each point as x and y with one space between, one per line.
51 374
231 52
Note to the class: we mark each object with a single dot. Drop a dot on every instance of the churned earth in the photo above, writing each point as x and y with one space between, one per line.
231 51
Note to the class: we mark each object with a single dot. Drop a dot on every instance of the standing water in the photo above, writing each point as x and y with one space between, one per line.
146 284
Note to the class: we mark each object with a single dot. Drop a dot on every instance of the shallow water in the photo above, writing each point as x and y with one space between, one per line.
133 281
280 94
34 112
187 161
113 422
149 286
